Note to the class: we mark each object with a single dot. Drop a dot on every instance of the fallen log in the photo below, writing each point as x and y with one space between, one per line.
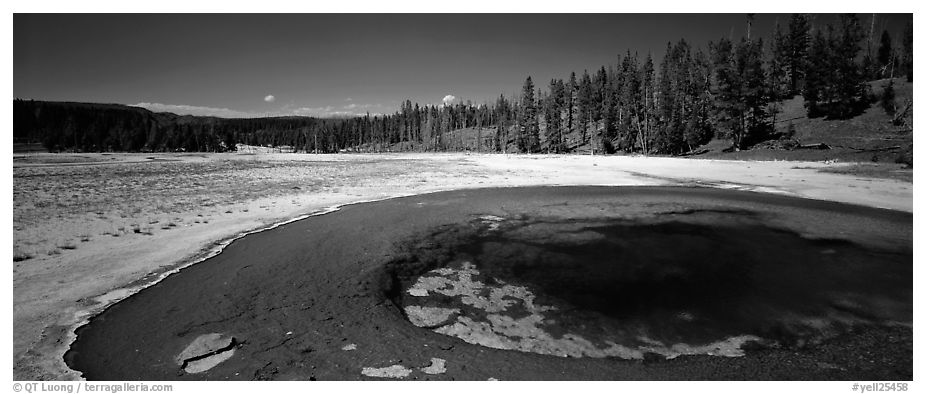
788 120
870 149
899 117
820 146
695 152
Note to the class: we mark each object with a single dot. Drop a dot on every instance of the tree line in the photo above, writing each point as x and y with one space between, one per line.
730 90
727 90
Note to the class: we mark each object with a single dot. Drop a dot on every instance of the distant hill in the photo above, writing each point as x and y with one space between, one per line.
71 126
70 123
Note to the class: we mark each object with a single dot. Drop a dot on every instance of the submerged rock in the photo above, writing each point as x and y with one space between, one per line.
393 371
207 363
205 352
437 367
429 317
494 222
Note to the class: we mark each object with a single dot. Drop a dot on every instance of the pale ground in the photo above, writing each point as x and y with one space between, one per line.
87 225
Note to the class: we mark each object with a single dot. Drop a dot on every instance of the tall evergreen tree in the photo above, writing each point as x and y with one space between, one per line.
727 106
848 78
885 55
741 92
795 61
630 103
816 85
529 130
553 110
836 85
887 98
596 107
571 99
662 140
700 127
599 94
648 82
869 68
584 105
501 124
678 99
779 83
908 51
610 109
755 92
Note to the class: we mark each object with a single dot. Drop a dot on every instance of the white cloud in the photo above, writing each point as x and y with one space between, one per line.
328 111
311 111
448 99
357 107
270 98
196 110
348 99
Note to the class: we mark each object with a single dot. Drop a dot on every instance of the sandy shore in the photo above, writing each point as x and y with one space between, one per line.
88 225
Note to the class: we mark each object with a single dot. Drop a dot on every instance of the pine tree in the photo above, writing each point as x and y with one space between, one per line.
700 128
648 84
727 107
630 104
502 124
596 107
887 98
666 100
885 55
529 130
742 94
816 84
777 73
755 92
835 84
848 78
571 100
553 109
685 103
610 109
796 59
908 51
599 95
869 67
584 105
676 99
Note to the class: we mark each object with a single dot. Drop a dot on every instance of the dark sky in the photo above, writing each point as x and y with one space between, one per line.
323 64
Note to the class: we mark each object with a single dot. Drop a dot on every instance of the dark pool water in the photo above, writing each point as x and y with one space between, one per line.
683 282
